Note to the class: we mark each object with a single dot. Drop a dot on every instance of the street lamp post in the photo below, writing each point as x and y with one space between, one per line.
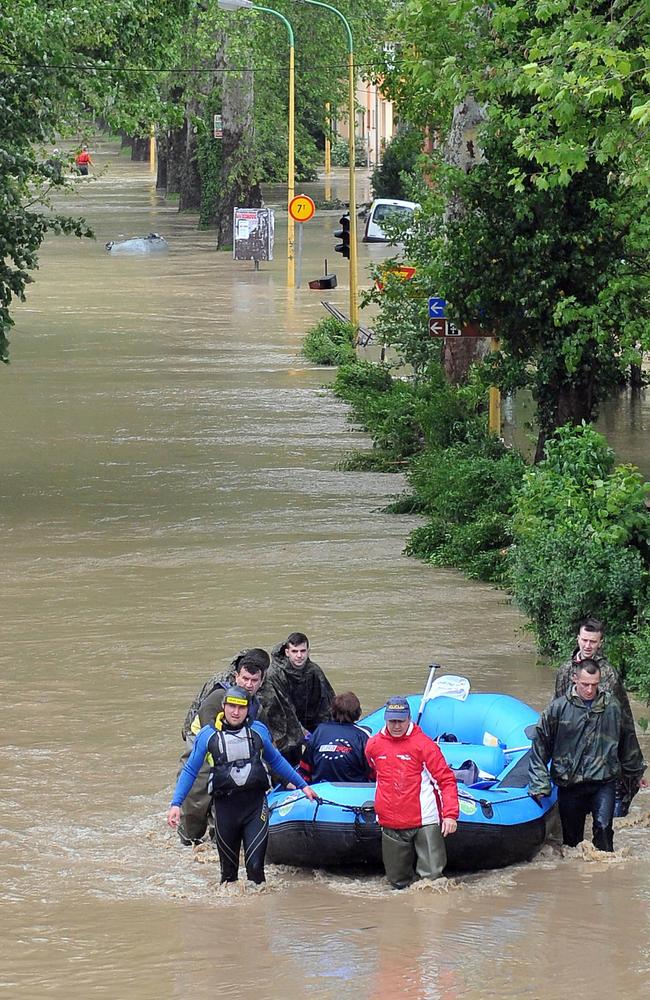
354 315
291 157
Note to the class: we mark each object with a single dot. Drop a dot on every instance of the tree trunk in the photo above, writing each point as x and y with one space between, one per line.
239 184
463 151
161 161
190 179
140 149
636 376
175 146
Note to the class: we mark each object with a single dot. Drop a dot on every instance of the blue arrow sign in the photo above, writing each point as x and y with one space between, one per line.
437 308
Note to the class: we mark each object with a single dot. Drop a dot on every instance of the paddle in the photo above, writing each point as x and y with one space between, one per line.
449 686
427 688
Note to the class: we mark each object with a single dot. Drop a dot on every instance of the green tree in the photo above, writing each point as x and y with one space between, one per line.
553 260
57 65
582 539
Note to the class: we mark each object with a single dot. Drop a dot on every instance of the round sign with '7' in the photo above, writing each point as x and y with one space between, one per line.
301 208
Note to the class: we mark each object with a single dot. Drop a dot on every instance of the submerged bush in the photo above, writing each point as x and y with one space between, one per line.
468 494
329 342
462 479
582 540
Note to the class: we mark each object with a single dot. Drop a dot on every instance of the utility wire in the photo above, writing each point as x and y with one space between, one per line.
314 71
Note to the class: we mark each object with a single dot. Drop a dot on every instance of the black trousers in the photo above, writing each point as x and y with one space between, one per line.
241 817
575 802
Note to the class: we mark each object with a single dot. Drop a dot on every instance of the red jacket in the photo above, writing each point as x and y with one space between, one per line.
415 786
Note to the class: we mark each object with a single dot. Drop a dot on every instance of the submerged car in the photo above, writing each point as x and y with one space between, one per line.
387 210
153 243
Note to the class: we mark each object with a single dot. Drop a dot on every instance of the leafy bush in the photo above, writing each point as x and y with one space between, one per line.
582 540
329 342
637 660
394 176
467 491
558 579
340 153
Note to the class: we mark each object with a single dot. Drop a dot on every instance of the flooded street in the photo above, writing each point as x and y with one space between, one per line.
169 495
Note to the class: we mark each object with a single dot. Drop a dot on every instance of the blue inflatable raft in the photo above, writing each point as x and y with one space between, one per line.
483 737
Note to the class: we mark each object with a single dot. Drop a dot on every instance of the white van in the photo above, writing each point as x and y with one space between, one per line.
382 210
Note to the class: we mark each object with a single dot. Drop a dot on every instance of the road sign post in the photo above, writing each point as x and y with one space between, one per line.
301 209
440 326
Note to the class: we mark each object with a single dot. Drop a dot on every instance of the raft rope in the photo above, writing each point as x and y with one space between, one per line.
358 811
487 807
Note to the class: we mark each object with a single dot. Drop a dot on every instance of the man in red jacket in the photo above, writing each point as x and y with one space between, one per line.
416 799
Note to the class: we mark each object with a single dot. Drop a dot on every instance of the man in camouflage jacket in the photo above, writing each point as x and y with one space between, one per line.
583 737
589 646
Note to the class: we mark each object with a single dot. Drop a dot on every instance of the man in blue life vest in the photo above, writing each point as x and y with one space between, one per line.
248 670
239 751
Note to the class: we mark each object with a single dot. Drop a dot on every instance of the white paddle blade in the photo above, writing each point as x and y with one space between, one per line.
449 686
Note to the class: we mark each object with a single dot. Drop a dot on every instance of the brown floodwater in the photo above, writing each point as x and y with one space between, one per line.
170 494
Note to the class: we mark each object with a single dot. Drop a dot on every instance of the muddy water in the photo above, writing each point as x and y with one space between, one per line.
168 496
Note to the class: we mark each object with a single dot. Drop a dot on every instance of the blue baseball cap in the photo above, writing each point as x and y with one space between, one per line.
397 708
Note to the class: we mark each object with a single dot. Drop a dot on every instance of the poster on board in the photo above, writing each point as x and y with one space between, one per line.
253 232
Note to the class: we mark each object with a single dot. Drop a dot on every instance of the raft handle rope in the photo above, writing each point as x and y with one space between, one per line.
359 811
487 807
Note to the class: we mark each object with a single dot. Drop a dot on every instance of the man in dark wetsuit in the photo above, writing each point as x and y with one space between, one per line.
337 749
249 671
239 750
589 646
303 682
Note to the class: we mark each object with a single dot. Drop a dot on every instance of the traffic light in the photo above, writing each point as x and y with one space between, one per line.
343 234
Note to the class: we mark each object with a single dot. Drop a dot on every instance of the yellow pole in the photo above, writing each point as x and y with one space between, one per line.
328 144
291 172
494 409
152 149
354 313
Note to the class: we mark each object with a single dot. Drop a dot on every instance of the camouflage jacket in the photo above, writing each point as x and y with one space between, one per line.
307 688
582 742
609 681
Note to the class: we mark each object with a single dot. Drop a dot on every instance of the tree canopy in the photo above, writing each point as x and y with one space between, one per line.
550 252
57 64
